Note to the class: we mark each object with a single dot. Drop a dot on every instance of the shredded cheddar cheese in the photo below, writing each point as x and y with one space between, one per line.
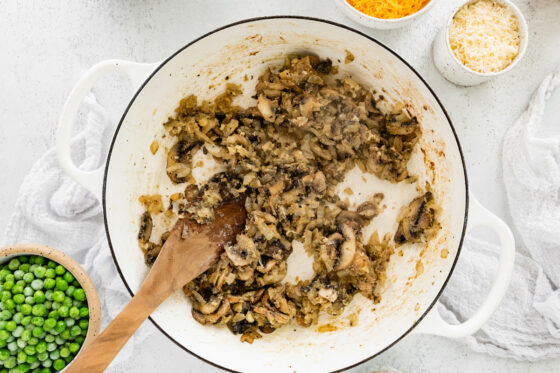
484 36
388 9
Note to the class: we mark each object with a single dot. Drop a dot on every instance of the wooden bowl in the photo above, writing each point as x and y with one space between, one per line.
77 271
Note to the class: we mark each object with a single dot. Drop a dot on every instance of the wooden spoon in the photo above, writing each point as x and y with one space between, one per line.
189 251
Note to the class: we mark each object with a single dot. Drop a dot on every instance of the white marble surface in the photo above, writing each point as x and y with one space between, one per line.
46 45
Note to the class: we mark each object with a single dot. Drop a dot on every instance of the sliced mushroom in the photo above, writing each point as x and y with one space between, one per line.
418 217
179 160
402 126
243 252
370 209
213 318
319 182
329 294
267 108
204 306
347 249
350 218
145 227
275 318
152 253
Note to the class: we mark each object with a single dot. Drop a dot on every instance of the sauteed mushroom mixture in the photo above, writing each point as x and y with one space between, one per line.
285 157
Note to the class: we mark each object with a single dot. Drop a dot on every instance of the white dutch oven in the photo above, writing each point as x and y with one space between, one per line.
415 279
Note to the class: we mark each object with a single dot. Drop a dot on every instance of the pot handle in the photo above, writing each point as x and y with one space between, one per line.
478 216
136 72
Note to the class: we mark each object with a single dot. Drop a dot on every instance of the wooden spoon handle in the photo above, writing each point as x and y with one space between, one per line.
98 355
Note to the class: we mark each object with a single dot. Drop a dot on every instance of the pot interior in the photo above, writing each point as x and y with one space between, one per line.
239 54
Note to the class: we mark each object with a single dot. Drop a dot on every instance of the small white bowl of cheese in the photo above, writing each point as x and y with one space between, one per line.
481 40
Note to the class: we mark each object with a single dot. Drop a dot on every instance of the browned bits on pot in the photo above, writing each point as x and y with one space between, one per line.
285 156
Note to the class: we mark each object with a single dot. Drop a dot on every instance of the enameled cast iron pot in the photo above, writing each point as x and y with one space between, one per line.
415 280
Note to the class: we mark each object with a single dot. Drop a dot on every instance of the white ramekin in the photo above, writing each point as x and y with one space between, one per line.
380 23
453 70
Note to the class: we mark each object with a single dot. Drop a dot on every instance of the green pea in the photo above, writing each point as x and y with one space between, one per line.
38 321
26 335
17 289
70 322
74 312
60 270
49 283
43 355
28 277
47 363
84 312
33 341
5 295
67 302
26 309
70 291
50 273
10 277
29 300
84 324
49 338
26 320
4 334
37 284
51 264
60 326
2 324
19 298
37 331
28 291
39 296
18 274
29 350
58 296
5 315
74 347
3 273
10 362
63 311
24 267
8 285
49 324
53 315
11 326
3 343
64 336
75 331
4 354
51 347
61 284
14 264
59 364
19 330
64 352
54 355
80 294
9 304
39 310
21 357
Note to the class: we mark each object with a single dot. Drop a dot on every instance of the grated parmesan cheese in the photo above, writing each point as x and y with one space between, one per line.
484 36
388 9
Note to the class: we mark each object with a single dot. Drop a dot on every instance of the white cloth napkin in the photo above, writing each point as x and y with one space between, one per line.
54 210
526 326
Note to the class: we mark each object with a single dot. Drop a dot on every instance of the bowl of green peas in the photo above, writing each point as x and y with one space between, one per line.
49 309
